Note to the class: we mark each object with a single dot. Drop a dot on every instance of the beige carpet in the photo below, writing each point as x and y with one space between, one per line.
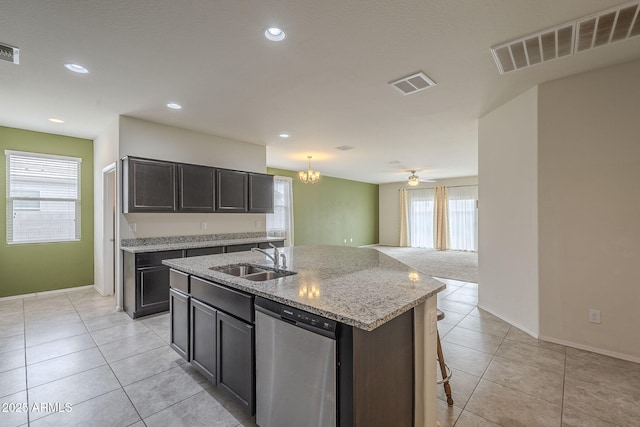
456 265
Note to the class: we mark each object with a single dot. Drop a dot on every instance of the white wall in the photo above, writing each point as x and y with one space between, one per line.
507 211
105 152
389 205
589 209
152 140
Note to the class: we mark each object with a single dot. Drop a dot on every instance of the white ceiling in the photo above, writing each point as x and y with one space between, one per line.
325 84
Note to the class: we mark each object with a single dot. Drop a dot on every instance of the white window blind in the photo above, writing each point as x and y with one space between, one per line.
280 222
43 198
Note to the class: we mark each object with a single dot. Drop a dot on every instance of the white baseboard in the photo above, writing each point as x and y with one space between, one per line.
511 322
592 349
568 343
55 291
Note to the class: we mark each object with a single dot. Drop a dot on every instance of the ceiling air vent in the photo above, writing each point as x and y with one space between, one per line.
9 53
609 26
619 23
535 48
344 148
413 83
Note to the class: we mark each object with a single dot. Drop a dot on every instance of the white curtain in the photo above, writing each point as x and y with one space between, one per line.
463 218
404 218
420 212
280 222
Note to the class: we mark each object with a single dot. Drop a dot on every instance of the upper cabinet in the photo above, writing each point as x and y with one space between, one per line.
260 193
231 191
148 186
159 186
196 189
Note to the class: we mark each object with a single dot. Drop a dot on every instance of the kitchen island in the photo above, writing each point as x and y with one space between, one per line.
388 310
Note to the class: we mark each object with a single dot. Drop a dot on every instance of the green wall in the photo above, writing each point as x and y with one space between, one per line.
333 210
39 267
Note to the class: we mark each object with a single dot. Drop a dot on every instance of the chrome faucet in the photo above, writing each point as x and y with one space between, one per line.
275 257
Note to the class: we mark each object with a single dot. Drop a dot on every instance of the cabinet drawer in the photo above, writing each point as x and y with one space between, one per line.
266 245
240 248
234 302
147 259
205 251
179 280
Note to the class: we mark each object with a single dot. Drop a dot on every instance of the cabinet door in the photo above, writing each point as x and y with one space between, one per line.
231 191
203 339
148 186
195 188
236 367
179 304
260 193
153 290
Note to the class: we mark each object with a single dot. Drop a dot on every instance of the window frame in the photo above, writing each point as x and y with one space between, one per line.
10 200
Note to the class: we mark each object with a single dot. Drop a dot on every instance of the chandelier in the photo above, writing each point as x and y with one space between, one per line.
310 176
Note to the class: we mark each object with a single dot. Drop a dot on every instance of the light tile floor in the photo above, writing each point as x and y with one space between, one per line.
72 348
504 377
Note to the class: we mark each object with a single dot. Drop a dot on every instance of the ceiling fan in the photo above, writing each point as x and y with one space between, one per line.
414 179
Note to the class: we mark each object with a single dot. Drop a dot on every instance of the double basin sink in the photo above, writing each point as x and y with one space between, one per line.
256 273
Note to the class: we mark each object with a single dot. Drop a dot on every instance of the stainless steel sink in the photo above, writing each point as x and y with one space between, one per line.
252 272
239 270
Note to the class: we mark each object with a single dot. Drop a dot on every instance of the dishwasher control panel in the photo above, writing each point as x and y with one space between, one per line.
299 317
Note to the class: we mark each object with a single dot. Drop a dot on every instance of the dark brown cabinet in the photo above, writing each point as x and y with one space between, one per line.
146 282
160 186
196 189
203 339
148 185
260 193
231 191
235 367
205 251
179 303
221 343
240 248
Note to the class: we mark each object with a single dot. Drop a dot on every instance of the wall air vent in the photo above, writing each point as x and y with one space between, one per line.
413 83
9 53
612 25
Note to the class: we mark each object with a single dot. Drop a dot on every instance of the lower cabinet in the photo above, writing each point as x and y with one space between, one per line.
203 339
179 306
208 330
236 370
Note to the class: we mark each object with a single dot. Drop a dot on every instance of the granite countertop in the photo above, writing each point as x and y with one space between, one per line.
170 244
361 287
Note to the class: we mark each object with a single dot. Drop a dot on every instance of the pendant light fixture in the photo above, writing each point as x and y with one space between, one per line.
310 176
413 179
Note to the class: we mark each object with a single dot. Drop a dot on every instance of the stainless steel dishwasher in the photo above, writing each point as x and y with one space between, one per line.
295 367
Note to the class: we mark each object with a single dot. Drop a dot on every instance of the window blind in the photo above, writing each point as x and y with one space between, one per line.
43 198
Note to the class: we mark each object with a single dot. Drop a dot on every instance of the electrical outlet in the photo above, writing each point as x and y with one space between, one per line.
594 315
132 227
203 225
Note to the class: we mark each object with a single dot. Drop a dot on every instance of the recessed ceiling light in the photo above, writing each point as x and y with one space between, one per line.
76 68
52 120
284 135
275 34
174 106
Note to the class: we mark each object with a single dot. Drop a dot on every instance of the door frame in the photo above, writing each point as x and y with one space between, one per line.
109 230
